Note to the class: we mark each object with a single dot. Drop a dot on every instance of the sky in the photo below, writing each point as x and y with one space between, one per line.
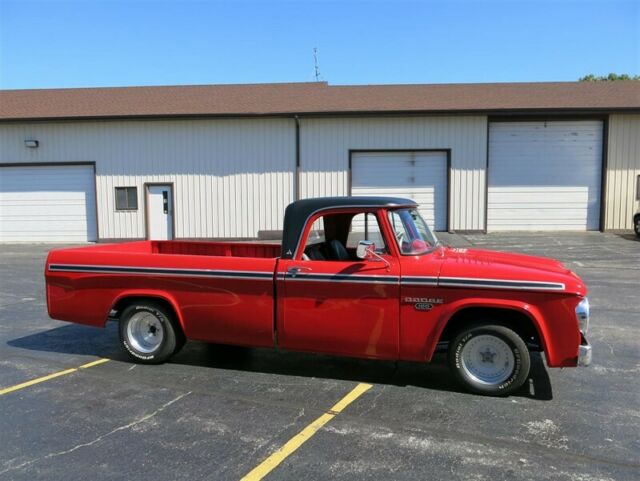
99 43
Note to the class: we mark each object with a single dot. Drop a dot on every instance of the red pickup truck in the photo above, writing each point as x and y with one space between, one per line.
354 276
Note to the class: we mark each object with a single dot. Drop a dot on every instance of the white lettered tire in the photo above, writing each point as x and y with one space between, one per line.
148 332
489 359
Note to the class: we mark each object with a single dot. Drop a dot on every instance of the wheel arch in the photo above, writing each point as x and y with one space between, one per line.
524 319
125 299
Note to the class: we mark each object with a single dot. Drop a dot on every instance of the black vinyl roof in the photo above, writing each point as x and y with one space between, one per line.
297 213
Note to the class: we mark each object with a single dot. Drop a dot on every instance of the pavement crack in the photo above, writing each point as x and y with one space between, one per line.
269 441
608 345
143 419
293 423
15 303
374 401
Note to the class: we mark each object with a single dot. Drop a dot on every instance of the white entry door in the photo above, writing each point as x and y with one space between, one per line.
421 176
160 212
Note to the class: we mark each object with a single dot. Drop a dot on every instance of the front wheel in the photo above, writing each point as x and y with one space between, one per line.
489 359
148 333
636 225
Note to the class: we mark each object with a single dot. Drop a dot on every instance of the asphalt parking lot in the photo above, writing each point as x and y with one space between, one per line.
217 412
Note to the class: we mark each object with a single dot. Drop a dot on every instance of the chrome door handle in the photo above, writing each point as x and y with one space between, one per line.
295 270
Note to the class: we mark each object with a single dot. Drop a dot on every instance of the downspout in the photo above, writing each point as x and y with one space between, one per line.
296 193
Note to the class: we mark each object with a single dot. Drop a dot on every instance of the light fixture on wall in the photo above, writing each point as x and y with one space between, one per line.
32 144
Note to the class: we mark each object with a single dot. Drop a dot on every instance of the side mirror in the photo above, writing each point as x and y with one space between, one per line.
366 250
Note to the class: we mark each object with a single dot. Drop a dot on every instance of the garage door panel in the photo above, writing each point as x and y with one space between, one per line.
47 203
48 191
78 216
530 163
551 227
579 215
544 175
21 209
535 130
426 195
498 199
18 182
48 227
43 200
556 224
567 210
43 237
421 176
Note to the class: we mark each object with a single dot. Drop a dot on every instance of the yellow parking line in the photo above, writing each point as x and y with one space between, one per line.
94 363
38 380
266 466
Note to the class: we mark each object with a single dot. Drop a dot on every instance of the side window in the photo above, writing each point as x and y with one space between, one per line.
316 234
365 227
126 198
335 237
314 247
396 223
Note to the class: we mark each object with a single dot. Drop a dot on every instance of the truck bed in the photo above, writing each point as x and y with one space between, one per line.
224 249
261 250
224 290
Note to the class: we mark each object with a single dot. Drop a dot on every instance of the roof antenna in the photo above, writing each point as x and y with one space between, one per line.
315 64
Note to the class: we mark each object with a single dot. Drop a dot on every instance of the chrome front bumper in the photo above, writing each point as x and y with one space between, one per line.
584 352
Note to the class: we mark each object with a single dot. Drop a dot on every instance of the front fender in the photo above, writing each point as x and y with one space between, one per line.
451 309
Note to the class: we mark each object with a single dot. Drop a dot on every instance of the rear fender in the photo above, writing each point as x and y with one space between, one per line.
528 310
151 294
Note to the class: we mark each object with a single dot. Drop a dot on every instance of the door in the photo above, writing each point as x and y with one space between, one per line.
160 212
544 176
348 306
49 203
421 176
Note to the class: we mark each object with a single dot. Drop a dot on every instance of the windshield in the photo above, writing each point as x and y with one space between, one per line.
412 232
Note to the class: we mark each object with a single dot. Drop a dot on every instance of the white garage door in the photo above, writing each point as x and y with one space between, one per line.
544 175
47 204
421 176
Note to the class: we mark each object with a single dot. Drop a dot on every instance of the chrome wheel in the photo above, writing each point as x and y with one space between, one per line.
145 332
487 359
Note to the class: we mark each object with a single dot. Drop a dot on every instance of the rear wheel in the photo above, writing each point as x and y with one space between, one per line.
636 225
489 359
148 332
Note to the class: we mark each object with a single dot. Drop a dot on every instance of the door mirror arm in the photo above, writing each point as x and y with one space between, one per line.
366 250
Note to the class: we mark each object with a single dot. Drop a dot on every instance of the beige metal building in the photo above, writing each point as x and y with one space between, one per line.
224 161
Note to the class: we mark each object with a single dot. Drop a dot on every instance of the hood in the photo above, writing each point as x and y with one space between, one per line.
508 270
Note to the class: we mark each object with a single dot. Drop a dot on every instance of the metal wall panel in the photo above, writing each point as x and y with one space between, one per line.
232 177
325 145
623 162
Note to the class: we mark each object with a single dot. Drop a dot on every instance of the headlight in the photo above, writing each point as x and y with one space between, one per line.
582 313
